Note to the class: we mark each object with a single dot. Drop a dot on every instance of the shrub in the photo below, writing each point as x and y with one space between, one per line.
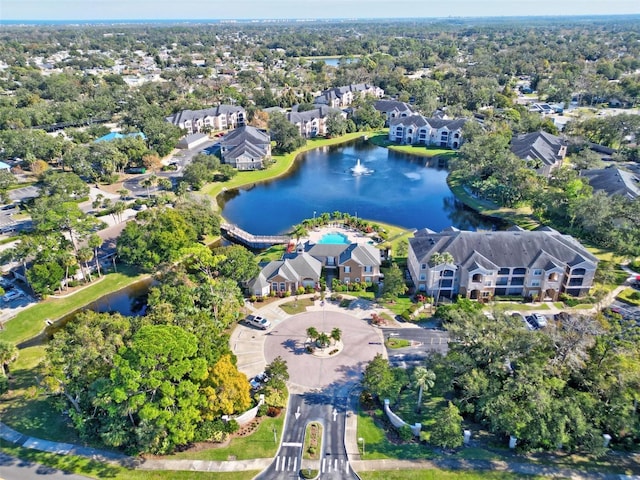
309 473
334 351
253 298
406 315
212 430
405 434
263 410
232 426
300 291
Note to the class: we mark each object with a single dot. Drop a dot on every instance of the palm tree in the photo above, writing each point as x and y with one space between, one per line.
336 334
425 379
438 259
84 255
312 333
150 181
95 242
323 340
299 231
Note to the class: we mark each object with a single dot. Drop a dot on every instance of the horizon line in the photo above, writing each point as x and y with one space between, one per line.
307 19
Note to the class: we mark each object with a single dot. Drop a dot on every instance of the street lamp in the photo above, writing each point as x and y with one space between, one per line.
314 217
362 440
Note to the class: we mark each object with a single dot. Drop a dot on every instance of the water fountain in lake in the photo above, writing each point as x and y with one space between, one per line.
360 169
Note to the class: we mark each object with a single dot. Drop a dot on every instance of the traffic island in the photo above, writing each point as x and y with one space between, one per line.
312 451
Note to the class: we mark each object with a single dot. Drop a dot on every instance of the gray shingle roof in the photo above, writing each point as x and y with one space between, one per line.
184 115
614 181
421 121
392 106
504 249
363 254
538 146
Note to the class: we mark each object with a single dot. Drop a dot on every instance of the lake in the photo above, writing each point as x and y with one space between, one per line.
401 189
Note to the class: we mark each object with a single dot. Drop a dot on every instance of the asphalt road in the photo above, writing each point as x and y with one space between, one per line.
15 469
423 342
305 408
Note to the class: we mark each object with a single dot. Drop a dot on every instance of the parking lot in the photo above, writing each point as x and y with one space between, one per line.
13 301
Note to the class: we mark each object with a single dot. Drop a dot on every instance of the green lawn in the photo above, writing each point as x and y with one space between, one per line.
260 444
272 253
518 216
377 446
25 409
397 343
399 305
93 469
630 296
437 474
517 306
382 140
30 322
296 306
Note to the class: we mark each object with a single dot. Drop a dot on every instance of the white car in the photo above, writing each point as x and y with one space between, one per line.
258 322
540 320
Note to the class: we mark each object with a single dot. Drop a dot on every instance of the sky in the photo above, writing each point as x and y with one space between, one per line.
303 9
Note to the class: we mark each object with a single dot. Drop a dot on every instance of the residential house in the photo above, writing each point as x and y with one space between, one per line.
192 141
544 150
393 109
420 130
355 262
246 148
312 123
614 181
541 263
222 117
348 263
338 97
287 275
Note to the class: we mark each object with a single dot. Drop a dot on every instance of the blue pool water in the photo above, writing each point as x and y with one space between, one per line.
333 239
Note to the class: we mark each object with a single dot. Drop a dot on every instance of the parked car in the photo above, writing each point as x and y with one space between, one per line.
257 381
540 320
258 322
531 323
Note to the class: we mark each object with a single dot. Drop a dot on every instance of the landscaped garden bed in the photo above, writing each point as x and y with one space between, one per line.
312 442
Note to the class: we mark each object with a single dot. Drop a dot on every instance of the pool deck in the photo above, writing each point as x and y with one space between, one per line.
354 236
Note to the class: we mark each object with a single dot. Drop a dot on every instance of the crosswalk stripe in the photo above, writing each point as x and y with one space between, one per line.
323 467
346 467
288 463
277 463
335 465
295 462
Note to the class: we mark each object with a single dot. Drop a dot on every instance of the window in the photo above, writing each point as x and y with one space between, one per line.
485 294
446 283
517 281
519 271
368 280
423 277
357 280
579 271
447 273
502 281
368 269
274 286
504 271
535 283
477 278
537 272
347 269
554 277
575 282
487 283
423 266
283 287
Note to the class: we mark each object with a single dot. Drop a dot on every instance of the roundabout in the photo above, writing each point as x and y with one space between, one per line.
320 369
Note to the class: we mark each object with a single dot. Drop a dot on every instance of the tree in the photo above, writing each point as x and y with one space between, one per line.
237 263
6 180
394 284
95 242
336 334
425 380
8 354
336 124
148 182
226 389
285 134
152 393
446 431
312 333
277 371
381 380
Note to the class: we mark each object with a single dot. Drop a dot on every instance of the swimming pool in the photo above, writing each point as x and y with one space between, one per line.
334 239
